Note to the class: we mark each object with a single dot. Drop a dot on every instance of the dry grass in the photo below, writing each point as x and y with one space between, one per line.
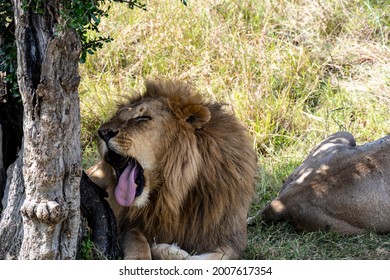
293 71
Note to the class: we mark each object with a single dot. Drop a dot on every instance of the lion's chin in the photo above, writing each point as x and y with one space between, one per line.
142 200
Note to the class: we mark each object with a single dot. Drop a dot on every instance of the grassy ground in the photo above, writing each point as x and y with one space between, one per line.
292 71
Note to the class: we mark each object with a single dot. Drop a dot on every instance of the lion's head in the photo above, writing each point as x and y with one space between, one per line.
172 153
155 131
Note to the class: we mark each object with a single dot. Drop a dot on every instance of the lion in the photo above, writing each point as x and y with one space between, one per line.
180 174
339 187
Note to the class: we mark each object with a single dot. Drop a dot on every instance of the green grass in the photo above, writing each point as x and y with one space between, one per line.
292 71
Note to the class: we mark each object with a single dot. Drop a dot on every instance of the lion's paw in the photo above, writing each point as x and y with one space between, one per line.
165 251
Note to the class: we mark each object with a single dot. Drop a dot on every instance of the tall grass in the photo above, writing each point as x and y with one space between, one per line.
292 71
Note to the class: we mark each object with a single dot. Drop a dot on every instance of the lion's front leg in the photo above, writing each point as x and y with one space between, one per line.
135 246
165 251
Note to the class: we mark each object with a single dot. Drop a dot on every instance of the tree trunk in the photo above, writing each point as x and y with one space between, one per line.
11 230
101 220
2 171
48 82
2 168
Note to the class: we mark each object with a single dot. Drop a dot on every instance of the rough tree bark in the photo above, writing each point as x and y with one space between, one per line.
2 168
11 230
40 210
101 220
48 82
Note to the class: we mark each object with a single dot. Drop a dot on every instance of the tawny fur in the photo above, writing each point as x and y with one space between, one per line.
199 168
339 187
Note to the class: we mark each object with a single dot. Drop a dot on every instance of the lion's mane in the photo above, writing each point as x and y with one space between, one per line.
205 179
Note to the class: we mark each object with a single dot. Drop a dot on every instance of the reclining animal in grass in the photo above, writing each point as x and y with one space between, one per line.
339 187
180 174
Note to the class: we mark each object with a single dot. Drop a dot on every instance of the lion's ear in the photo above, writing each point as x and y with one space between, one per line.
197 115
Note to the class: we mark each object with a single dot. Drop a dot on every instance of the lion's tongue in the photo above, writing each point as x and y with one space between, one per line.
126 188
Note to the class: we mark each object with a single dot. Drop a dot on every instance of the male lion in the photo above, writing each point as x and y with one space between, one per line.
180 175
339 187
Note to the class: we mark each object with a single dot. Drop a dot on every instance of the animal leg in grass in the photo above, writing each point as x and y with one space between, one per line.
136 247
165 251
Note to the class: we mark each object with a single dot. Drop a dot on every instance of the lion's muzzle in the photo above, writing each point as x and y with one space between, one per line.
129 172
107 134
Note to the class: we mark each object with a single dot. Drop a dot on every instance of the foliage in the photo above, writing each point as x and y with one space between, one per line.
88 250
80 15
85 17
7 47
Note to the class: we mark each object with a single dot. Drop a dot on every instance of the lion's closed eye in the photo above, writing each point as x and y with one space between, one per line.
140 119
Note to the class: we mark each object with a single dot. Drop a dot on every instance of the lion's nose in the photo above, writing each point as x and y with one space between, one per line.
107 134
